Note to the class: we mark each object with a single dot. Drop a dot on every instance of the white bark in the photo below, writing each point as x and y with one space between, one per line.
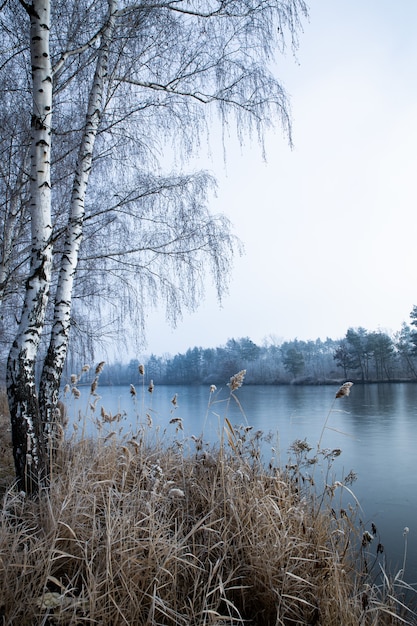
28 449
54 362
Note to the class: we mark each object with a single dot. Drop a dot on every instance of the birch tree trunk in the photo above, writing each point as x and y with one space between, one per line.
27 435
14 231
58 346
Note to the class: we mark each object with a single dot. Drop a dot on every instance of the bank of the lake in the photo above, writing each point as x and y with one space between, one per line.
375 428
135 531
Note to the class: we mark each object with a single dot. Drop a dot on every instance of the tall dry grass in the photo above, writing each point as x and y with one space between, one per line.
143 534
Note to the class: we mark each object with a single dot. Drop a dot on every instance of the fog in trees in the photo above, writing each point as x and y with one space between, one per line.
361 355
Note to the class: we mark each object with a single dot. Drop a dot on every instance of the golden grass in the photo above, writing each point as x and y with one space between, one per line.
141 534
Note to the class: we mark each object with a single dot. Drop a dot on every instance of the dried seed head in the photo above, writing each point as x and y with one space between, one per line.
366 538
174 400
100 366
141 369
213 388
299 446
344 390
66 389
74 379
178 422
106 417
85 368
109 418
151 387
350 478
94 385
132 390
135 444
76 392
236 381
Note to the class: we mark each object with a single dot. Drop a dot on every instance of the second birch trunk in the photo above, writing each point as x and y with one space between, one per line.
58 346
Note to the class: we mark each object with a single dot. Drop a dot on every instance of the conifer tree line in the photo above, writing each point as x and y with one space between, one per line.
362 355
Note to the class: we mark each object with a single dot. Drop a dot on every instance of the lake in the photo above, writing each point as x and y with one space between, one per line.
375 427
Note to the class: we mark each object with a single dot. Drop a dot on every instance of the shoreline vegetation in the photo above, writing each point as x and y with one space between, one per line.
138 530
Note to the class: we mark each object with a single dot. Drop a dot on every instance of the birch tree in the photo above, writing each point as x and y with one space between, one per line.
133 83
28 443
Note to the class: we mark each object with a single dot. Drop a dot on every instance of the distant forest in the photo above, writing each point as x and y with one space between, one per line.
361 356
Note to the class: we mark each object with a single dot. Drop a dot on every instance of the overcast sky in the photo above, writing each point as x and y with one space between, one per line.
330 227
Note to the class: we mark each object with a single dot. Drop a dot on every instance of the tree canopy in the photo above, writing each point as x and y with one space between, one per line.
97 98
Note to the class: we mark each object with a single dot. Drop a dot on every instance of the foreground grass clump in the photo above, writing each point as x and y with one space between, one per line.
144 534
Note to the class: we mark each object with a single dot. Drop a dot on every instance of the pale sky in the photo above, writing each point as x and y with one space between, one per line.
330 227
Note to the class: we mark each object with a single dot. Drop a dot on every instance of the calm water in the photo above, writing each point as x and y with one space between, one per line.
375 427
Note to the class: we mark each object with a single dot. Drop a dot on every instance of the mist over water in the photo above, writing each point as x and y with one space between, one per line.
375 427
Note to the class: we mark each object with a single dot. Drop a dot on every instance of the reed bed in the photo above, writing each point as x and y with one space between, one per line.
134 531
